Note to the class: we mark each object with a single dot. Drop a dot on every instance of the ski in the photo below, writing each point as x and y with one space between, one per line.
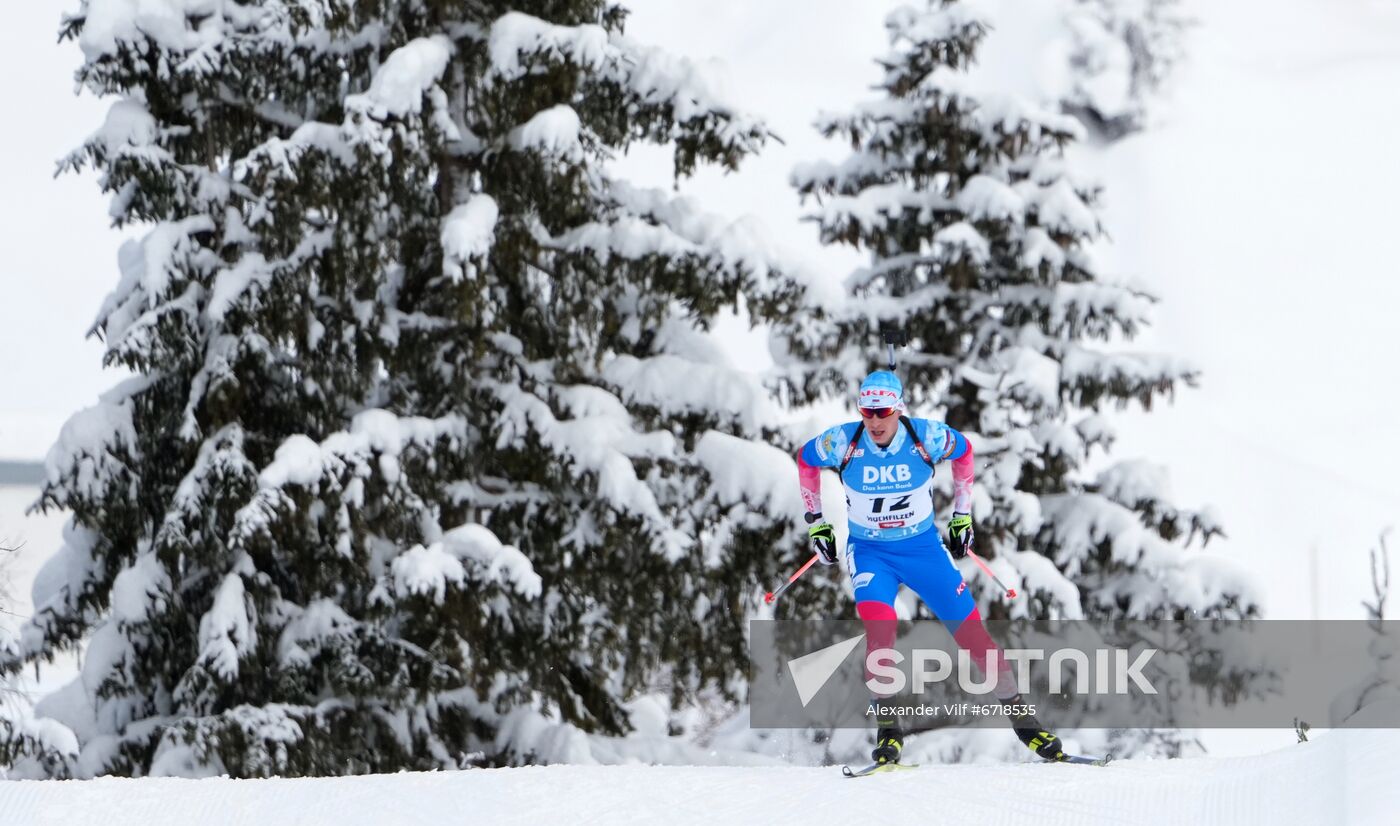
880 768
876 768
1085 761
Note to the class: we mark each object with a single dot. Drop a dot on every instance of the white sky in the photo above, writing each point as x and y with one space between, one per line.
59 256
1259 208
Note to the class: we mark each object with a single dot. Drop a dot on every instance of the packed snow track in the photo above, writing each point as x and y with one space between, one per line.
1346 777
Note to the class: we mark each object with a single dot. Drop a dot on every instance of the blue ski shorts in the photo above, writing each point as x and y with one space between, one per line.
877 570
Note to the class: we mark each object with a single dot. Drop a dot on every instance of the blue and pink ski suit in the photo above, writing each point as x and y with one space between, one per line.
894 537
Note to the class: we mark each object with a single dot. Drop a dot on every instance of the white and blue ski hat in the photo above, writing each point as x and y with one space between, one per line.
881 389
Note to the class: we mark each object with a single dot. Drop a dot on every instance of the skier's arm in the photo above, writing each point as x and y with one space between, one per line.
809 478
962 479
816 454
959 450
824 451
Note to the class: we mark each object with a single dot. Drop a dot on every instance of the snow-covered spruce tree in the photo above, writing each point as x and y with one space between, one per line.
978 231
427 450
1121 53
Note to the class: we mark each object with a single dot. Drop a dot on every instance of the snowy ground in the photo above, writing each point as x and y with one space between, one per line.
1344 778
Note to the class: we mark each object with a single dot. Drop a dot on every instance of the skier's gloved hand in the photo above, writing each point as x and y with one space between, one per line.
822 538
960 535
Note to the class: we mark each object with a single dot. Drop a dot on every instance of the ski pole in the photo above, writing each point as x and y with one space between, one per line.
772 596
1010 592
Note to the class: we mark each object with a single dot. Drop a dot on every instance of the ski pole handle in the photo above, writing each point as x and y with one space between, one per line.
1010 592
772 596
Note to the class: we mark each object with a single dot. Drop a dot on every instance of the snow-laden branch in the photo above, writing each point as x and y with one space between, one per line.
655 78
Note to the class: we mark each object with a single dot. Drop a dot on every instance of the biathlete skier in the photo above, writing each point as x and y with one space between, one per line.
886 463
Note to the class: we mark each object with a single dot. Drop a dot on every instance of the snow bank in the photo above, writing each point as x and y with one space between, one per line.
1342 777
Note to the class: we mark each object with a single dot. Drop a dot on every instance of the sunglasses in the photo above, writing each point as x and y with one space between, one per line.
877 412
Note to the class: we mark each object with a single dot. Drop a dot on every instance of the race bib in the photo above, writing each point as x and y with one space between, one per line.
892 512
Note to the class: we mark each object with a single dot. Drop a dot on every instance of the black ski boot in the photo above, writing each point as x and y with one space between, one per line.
1044 743
889 741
